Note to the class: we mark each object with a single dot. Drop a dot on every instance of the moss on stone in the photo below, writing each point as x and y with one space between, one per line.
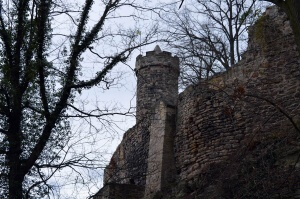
259 33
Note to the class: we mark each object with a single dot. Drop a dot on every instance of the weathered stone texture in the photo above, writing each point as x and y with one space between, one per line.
157 79
160 172
128 163
218 116
120 191
157 74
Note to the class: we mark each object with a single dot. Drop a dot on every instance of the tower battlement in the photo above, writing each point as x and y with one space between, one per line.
157 57
157 80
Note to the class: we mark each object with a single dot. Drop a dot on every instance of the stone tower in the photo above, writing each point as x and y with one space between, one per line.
157 80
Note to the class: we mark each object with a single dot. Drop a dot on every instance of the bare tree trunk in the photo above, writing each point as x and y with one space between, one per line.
15 185
15 175
231 37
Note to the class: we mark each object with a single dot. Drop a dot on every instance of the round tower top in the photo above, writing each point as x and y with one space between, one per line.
157 57
157 49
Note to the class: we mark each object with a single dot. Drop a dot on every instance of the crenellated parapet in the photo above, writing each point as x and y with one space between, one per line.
157 80
157 58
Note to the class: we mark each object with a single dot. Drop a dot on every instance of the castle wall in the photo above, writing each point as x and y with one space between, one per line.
157 75
217 118
120 191
220 116
160 172
128 164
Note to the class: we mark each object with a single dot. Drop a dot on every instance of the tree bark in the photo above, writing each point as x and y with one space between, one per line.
231 37
15 184
16 174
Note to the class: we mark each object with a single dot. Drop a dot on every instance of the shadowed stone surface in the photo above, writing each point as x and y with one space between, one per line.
177 138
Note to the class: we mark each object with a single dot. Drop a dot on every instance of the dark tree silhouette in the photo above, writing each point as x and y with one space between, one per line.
292 9
209 36
41 67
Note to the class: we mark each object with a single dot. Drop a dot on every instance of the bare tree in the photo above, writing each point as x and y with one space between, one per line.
42 73
291 8
209 36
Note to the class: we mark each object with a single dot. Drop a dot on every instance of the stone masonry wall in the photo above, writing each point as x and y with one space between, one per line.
157 79
120 191
215 119
128 163
157 75
218 116
160 172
